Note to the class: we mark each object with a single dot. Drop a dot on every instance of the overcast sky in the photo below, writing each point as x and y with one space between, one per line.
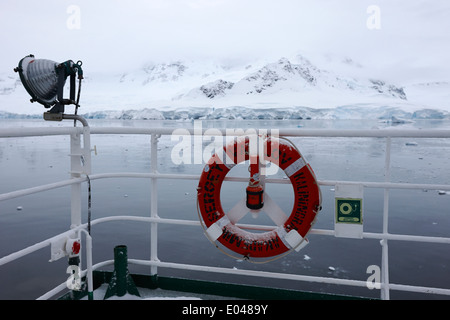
413 35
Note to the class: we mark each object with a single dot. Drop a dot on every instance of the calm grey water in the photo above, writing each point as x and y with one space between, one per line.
27 162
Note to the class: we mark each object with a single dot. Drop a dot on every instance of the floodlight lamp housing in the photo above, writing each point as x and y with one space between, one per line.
44 80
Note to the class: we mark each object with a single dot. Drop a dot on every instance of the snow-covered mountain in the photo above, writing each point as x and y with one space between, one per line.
287 77
291 87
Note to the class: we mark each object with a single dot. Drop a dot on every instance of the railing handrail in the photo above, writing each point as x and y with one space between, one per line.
301 132
68 182
154 176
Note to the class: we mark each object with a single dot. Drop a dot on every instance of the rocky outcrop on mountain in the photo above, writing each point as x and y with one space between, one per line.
384 88
216 88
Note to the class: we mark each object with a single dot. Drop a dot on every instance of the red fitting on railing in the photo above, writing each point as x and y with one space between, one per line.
255 191
255 199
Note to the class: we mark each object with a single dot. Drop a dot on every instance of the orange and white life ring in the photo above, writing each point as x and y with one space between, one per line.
291 230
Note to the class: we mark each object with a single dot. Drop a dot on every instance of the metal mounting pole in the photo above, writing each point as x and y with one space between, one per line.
154 204
121 282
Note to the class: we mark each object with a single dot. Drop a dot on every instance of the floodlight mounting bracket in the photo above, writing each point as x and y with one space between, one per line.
64 70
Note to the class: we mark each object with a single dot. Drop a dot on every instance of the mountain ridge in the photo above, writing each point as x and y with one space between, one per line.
288 76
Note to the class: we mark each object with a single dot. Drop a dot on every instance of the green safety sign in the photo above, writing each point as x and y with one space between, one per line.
348 210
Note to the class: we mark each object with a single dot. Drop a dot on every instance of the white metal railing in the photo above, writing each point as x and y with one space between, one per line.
81 172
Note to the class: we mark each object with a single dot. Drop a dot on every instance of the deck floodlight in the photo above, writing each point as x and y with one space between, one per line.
44 80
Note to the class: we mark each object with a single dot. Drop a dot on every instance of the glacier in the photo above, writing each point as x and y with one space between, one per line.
351 112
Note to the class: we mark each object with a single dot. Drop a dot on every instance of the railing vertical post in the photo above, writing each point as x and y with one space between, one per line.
384 243
87 163
75 172
80 163
154 203
89 274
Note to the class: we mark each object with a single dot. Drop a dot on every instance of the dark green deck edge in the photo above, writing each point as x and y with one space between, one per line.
226 290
